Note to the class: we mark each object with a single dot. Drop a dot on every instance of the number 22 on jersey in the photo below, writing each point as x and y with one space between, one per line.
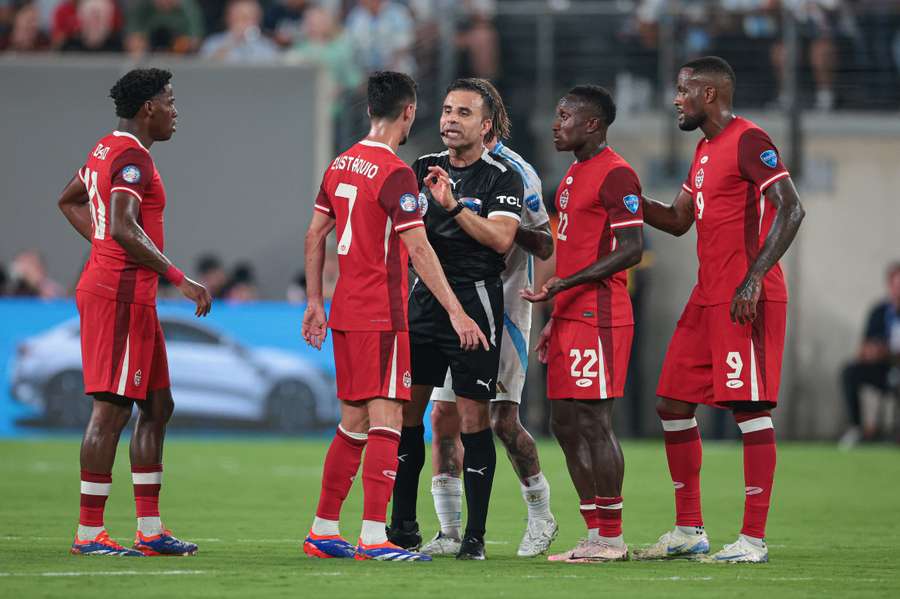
348 192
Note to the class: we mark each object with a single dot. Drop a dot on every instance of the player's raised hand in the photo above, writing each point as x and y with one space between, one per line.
198 294
543 344
438 182
314 328
743 304
470 335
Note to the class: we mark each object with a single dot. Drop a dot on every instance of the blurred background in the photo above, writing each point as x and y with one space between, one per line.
269 91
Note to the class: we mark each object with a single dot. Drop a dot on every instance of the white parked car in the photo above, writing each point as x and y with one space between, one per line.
214 380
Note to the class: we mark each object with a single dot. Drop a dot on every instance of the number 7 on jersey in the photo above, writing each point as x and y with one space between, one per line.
347 191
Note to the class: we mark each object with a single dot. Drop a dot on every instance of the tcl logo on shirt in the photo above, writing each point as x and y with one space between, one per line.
510 200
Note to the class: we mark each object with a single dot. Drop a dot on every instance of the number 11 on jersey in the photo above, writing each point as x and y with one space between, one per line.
347 191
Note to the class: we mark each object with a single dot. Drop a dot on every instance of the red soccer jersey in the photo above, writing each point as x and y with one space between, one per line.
120 163
728 180
373 195
595 197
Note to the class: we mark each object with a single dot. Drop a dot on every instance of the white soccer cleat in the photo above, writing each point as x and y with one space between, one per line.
567 555
539 533
741 551
676 543
441 544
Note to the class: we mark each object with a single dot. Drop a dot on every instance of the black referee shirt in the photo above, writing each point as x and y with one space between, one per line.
490 187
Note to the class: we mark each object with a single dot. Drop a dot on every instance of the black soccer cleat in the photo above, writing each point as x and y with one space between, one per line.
405 534
471 548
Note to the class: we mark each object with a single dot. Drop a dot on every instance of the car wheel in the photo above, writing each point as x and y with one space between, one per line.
67 405
291 407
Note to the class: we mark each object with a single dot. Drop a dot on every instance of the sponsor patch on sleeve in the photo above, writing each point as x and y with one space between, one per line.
131 174
409 203
769 158
632 202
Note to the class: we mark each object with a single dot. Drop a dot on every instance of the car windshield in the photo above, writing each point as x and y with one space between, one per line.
177 332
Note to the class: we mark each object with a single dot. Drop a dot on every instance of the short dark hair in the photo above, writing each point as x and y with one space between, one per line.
711 65
388 93
599 98
500 123
474 84
207 263
136 87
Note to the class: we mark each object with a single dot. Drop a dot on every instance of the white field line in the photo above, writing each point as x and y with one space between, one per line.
109 573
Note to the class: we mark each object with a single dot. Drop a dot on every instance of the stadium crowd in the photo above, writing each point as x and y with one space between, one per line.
844 43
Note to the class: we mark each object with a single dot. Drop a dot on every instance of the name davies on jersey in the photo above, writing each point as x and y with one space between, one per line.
355 164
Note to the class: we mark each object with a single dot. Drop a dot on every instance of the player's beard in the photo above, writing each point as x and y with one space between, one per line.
691 123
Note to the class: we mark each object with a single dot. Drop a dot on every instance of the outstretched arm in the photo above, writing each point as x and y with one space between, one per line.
675 218
789 214
629 248
125 230
73 202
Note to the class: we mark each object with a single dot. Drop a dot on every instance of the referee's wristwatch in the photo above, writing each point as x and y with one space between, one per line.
456 209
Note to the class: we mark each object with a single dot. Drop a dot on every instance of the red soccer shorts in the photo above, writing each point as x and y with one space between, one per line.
587 362
122 347
372 364
712 360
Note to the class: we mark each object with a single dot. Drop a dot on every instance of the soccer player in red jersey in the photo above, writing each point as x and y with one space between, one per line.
727 347
116 202
587 342
371 197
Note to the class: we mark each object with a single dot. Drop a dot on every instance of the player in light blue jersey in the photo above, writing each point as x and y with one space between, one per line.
532 239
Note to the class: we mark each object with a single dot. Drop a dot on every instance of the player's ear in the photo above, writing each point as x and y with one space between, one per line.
710 94
486 126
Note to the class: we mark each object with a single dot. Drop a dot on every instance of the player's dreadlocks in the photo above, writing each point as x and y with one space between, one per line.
136 87
500 123
597 97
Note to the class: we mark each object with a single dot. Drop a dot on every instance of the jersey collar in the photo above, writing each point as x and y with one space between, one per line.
126 134
376 144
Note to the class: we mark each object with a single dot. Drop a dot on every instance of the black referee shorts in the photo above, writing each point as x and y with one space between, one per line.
434 345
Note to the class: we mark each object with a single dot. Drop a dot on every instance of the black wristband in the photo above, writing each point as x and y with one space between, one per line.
456 209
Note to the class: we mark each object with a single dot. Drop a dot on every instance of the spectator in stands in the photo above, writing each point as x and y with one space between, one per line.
66 22
284 21
96 32
242 285
26 34
477 40
242 42
323 41
382 33
213 12
28 277
817 21
878 360
212 275
164 26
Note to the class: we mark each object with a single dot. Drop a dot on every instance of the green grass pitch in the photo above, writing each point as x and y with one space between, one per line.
833 529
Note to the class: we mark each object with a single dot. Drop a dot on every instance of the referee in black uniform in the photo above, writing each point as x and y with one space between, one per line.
472 202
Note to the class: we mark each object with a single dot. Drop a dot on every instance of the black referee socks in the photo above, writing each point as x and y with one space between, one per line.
479 463
411 454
